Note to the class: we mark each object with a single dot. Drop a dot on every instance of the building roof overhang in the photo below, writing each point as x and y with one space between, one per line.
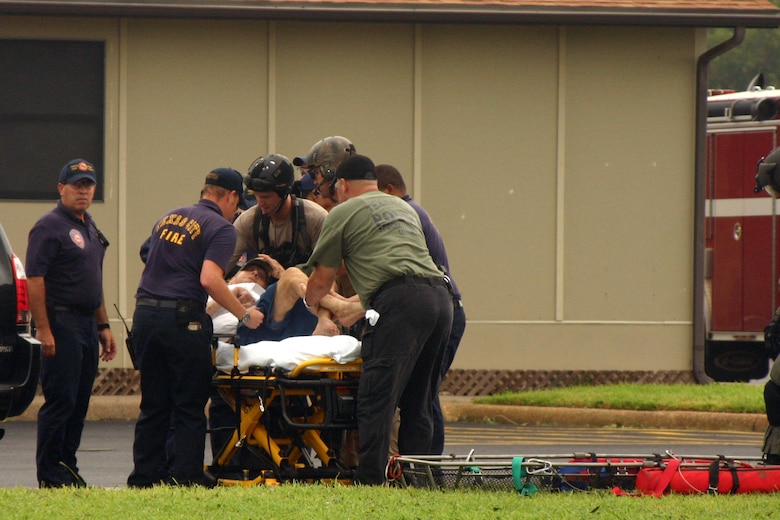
666 13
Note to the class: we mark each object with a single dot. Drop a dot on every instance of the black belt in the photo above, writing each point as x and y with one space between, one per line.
166 304
72 308
410 279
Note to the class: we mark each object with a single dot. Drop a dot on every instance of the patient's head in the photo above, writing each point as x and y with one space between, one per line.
254 271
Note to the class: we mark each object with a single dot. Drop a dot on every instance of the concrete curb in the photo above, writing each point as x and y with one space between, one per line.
462 409
588 417
101 408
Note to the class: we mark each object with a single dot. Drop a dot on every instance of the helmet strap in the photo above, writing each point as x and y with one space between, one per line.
278 206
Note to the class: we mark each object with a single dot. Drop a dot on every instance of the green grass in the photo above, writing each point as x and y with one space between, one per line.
346 503
718 397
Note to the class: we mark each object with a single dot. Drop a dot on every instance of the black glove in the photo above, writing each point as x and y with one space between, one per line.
772 336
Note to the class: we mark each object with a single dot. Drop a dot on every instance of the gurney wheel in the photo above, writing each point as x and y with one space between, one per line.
209 480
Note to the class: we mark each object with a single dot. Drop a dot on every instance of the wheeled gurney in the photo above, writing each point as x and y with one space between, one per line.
295 416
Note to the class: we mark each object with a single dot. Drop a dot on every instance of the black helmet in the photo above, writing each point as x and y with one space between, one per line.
767 175
271 172
327 154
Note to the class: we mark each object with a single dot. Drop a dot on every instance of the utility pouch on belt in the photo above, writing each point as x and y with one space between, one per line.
188 313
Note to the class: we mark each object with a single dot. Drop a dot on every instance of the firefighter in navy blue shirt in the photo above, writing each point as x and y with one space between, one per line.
188 254
64 267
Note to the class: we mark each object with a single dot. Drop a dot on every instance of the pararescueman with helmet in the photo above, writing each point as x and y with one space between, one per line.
768 178
280 225
320 164
281 230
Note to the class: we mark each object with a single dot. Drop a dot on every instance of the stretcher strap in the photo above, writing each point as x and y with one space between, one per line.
666 477
518 475
393 470
715 475
660 486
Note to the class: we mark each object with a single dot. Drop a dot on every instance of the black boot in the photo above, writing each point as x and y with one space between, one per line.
78 481
772 459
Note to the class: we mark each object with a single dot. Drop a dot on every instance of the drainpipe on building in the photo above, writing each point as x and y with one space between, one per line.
699 238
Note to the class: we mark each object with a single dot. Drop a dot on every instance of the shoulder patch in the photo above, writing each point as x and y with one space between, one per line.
77 238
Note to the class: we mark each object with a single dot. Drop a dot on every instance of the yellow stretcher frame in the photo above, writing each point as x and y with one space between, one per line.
271 424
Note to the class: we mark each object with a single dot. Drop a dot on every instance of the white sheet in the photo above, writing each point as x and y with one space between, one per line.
289 352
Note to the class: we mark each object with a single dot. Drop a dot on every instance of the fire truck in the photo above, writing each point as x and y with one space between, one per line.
741 264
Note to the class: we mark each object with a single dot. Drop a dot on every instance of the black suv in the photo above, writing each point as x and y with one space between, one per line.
20 353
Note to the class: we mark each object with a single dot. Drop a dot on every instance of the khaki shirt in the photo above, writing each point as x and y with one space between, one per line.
277 235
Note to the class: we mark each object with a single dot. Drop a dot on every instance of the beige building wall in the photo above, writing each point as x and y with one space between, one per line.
556 162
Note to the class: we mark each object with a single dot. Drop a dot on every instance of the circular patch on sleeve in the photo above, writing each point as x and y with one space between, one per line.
77 238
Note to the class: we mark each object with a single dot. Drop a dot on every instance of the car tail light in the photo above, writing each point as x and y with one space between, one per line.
22 297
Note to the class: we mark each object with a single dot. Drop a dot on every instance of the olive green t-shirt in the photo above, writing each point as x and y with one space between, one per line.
379 237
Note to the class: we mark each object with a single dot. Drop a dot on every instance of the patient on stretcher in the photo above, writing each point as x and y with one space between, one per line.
286 316
288 335
285 338
248 284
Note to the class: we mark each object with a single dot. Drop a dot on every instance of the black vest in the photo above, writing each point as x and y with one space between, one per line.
289 254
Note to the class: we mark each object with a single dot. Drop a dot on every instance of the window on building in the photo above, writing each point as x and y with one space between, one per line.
51 111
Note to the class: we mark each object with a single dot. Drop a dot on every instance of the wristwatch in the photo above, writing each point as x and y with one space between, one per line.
246 318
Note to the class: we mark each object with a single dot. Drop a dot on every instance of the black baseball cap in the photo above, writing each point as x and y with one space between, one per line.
229 179
76 170
356 167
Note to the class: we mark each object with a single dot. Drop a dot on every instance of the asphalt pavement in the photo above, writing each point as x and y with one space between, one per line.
464 409
105 456
106 459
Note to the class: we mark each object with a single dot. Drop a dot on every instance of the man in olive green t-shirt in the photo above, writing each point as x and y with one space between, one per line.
380 240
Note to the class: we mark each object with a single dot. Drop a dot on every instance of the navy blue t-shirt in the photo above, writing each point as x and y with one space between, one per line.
179 244
434 242
298 322
68 254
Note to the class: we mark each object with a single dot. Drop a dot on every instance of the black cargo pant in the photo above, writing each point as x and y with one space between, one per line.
402 356
456 334
67 380
175 364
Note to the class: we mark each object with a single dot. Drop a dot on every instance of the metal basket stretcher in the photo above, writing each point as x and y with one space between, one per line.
293 425
639 474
